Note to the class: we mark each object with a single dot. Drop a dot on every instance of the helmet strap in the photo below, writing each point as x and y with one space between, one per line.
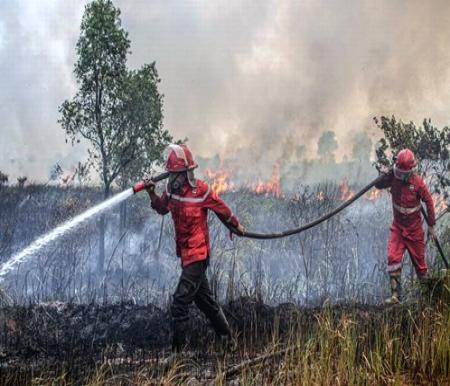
405 178
191 178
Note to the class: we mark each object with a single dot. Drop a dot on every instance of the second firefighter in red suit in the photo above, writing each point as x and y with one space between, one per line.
408 190
188 200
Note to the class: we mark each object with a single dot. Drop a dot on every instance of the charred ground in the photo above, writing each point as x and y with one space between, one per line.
81 342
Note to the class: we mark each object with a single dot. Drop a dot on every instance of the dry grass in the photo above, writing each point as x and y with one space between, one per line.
399 346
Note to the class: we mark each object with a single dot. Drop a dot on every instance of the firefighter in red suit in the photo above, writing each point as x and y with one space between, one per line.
188 200
406 233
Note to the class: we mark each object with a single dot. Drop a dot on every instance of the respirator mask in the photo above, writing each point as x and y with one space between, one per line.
402 175
176 181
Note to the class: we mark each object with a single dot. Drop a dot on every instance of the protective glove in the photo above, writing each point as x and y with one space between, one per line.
149 184
432 233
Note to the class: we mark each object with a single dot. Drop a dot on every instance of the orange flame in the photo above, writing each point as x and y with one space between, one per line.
321 196
273 186
346 193
373 195
68 177
220 180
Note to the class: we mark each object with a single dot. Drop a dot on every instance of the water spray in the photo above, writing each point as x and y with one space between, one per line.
71 224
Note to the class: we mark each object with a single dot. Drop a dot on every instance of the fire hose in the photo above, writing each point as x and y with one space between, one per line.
276 235
267 236
436 241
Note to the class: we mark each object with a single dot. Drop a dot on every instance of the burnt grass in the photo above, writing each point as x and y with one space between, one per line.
76 338
42 339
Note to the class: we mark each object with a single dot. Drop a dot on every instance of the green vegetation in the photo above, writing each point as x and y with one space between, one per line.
116 111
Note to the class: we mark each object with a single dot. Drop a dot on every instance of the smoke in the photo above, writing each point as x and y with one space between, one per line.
254 82
36 60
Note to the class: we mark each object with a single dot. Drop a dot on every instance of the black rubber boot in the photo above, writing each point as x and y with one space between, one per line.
220 325
178 344
179 335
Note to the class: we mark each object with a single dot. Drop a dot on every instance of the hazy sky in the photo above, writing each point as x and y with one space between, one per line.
253 79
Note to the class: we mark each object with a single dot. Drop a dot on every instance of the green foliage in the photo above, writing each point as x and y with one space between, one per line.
117 111
429 144
143 120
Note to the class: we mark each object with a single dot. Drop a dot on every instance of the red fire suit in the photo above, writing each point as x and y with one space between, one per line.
189 211
406 231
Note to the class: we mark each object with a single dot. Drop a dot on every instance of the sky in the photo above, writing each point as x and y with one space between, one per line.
250 80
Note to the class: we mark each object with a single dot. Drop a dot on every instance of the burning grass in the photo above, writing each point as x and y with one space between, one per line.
287 344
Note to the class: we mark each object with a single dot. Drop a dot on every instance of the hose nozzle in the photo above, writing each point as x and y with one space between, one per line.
141 184
138 187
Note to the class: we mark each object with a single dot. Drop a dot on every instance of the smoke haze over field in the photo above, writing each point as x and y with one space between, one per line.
238 77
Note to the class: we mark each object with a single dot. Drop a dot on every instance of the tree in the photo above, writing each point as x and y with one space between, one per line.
362 147
429 144
21 181
143 118
361 152
118 112
327 145
144 108
3 178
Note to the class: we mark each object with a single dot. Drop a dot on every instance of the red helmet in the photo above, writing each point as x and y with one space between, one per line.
405 160
404 164
179 159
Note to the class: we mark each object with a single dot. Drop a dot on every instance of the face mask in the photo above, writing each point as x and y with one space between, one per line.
176 181
402 175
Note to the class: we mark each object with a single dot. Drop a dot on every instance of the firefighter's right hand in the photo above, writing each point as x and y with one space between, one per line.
241 229
384 169
149 184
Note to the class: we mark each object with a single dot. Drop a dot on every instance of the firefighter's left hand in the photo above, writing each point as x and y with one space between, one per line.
432 233
149 184
384 169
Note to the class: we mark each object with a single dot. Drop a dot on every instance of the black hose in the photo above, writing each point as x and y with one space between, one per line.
436 241
268 236
290 232
160 177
